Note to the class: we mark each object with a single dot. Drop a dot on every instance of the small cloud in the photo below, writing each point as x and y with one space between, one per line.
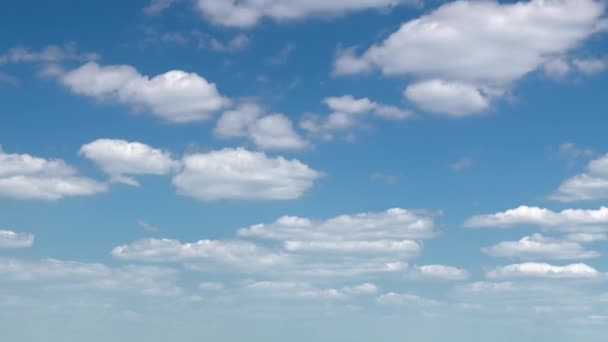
157 6
147 227
464 163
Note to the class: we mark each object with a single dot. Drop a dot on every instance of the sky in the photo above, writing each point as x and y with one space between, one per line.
299 170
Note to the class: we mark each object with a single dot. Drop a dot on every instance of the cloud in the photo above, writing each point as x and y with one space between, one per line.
543 270
239 254
50 54
589 185
26 177
70 275
175 96
464 163
538 246
155 7
10 239
121 159
283 55
442 97
238 42
211 286
440 272
587 237
248 13
591 66
570 150
243 175
359 245
574 220
267 131
348 112
145 226
490 46
393 298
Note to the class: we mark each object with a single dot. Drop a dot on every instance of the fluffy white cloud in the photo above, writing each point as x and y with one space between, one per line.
543 270
121 159
440 272
23 176
589 185
175 96
248 13
241 174
476 48
348 112
10 239
452 98
70 275
576 220
267 131
538 246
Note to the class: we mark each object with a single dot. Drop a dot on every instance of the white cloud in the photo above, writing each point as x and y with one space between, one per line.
440 272
393 225
587 237
49 54
244 175
543 270
175 96
589 185
557 68
10 239
591 66
267 131
26 177
237 43
157 6
211 286
70 275
121 159
348 112
478 48
393 298
248 13
575 220
570 150
452 98
208 253
538 246
464 163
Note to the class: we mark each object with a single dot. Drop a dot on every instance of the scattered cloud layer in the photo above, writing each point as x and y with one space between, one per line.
175 96
26 177
543 270
490 46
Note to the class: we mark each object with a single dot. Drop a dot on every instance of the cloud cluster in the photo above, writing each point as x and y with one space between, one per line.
26 177
544 270
175 96
490 46
538 246
348 112
267 131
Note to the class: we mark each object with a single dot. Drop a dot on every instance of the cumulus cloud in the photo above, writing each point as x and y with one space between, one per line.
121 159
589 185
175 96
348 112
10 239
452 98
575 220
490 46
543 270
26 177
440 272
267 131
248 13
244 175
538 246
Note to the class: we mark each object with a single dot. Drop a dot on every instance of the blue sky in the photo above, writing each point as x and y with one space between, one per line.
303 170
